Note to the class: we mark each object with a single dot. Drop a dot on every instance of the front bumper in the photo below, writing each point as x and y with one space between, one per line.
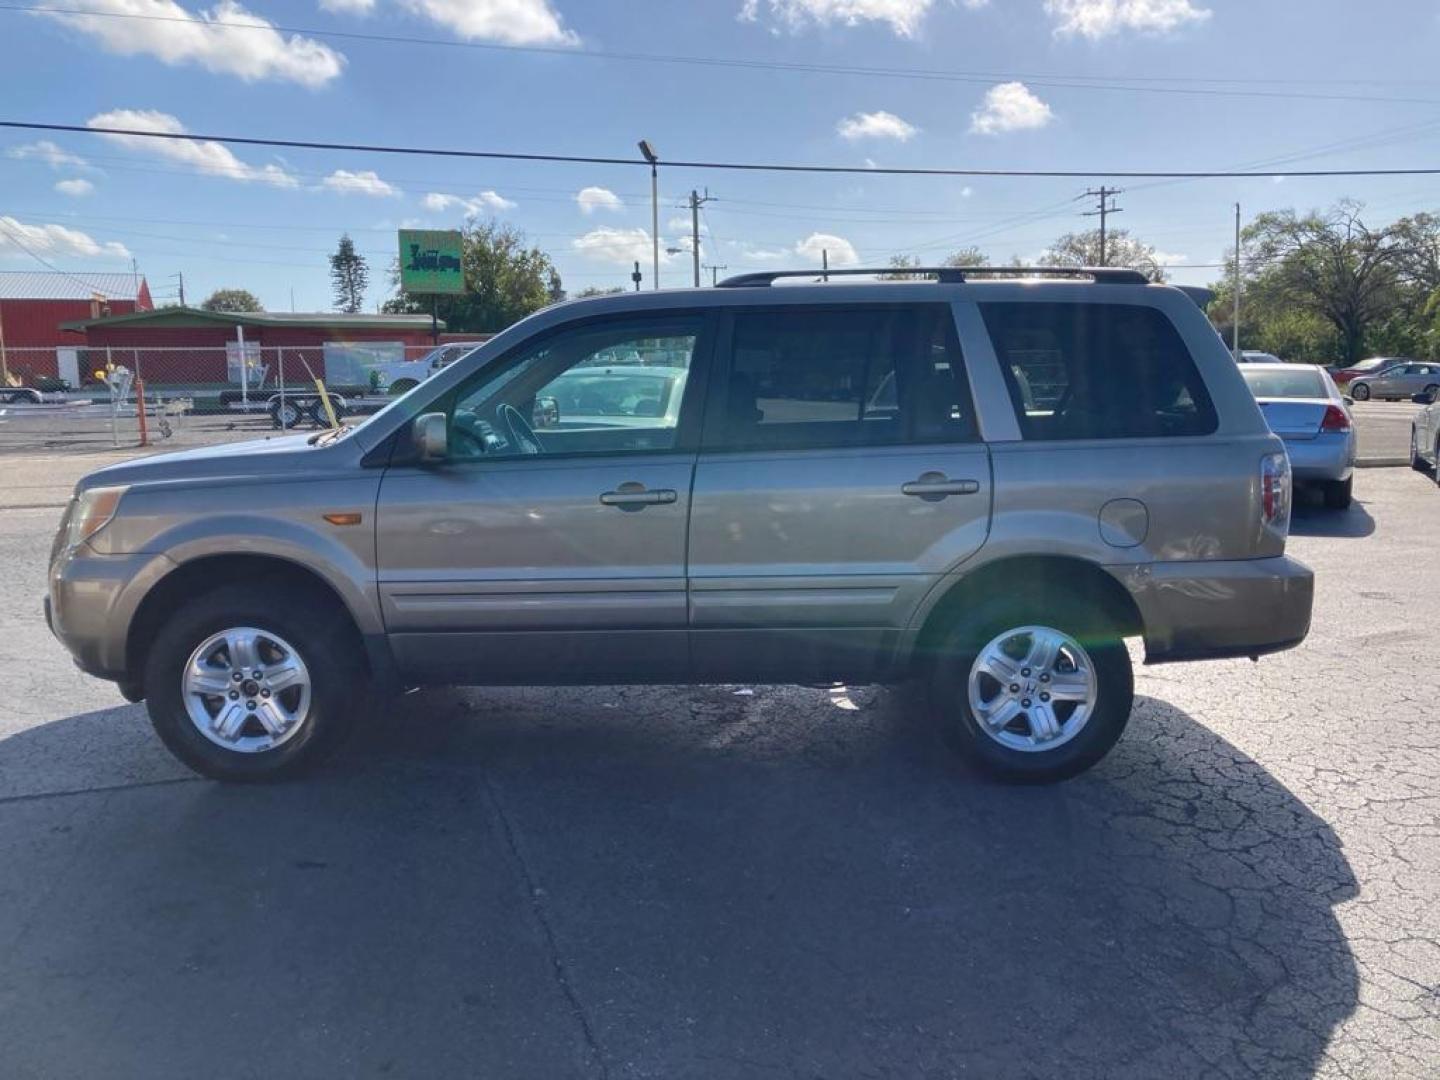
91 603
1211 610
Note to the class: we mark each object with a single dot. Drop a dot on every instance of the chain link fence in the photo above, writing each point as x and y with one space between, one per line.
88 398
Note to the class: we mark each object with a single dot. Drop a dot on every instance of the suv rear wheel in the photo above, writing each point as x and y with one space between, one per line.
1032 691
245 684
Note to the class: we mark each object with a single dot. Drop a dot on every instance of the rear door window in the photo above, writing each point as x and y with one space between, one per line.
1097 371
842 376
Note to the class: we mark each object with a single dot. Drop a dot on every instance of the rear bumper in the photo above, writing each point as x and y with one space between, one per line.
1211 610
1326 457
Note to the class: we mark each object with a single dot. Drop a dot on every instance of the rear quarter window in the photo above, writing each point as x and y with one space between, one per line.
1097 371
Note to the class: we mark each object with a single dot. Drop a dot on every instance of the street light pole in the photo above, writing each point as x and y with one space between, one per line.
654 160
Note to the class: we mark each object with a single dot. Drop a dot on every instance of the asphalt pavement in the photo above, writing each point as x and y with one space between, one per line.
749 881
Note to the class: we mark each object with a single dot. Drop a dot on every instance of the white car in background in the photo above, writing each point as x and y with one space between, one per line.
401 376
1425 434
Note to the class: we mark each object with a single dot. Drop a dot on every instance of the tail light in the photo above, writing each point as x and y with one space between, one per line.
1275 492
1336 419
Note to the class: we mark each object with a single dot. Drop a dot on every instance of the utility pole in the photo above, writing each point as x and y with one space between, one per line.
715 272
696 201
1235 330
1107 207
181 278
824 264
649 154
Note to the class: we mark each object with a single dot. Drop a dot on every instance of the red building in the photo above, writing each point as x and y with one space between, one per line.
34 304
193 346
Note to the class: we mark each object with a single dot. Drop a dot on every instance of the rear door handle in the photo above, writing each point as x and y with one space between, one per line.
935 486
633 496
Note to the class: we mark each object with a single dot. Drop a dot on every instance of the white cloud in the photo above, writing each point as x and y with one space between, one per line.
876 125
207 157
348 7
175 35
364 182
966 192
681 225
1009 107
1096 19
74 187
598 198
619 246
841 252
513 22
902 16
1165 258
16 237
491 201
49 153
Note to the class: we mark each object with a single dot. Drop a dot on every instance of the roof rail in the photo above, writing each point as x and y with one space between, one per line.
950 275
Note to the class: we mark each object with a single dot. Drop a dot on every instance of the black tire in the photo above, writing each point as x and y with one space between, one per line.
402 386
1416 461
289 417
1360 393
954 656
321 633
1339 494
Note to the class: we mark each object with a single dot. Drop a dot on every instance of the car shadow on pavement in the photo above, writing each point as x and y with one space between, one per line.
1312 519
712 882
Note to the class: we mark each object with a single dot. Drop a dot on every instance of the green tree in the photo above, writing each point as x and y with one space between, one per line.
232 300
1329 264
349 277
595 290
505 280
1121 249
967 256
901 264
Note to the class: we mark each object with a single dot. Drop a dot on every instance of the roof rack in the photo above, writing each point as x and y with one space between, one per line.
950 275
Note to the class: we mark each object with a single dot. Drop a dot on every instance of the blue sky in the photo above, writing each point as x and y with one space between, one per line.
1032 84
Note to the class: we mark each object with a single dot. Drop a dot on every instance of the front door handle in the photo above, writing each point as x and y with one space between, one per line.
934 486
634 496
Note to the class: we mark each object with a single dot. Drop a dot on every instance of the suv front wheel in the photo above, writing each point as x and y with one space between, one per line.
243 683
1033 692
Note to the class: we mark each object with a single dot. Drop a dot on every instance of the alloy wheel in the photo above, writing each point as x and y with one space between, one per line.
247 690
1032 688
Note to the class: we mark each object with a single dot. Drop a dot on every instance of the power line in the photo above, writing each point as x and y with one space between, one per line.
744 166
1135 84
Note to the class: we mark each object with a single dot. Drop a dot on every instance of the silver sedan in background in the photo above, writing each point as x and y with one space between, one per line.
1425 434
1304 407
1397 382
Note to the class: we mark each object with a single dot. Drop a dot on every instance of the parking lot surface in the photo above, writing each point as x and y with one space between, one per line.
750 881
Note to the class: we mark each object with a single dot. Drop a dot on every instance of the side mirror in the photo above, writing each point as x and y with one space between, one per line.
1347 399
1423 398
430 436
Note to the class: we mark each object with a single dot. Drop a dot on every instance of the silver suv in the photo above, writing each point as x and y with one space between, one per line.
982 482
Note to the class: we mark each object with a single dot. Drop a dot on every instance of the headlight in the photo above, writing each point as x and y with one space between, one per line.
90 513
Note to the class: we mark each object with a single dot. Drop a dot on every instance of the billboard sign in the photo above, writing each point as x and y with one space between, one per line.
430 262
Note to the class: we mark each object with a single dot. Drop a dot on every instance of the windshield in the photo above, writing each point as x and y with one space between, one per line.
1300 383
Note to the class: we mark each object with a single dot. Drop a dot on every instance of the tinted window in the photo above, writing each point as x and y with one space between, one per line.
1299 383
1097 371
806 377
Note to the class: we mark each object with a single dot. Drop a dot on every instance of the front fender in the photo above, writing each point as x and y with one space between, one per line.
287 522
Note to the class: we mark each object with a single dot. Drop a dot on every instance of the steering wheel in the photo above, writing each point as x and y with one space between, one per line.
522 435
